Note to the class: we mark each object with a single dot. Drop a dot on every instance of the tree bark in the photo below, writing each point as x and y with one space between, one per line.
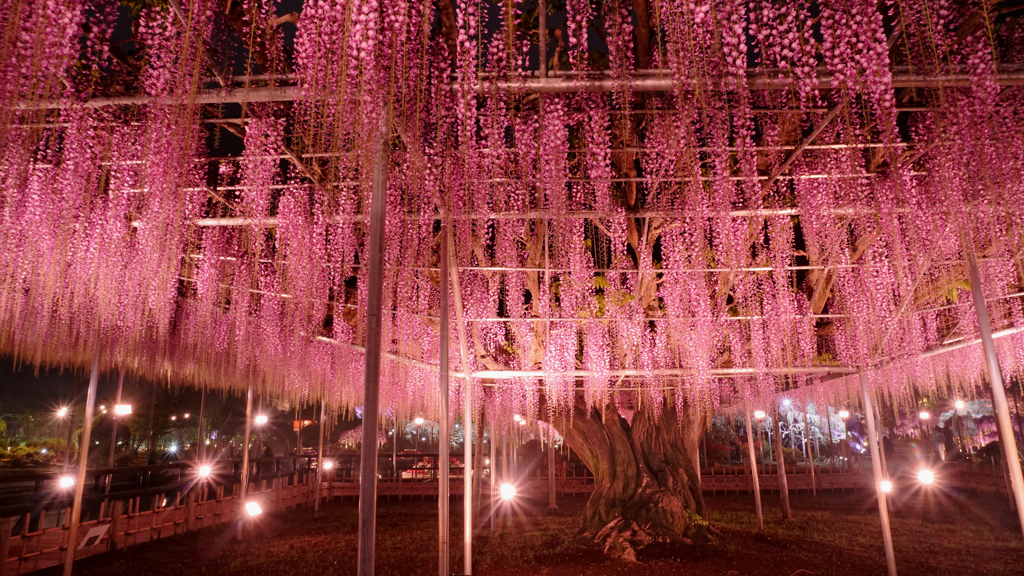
646 488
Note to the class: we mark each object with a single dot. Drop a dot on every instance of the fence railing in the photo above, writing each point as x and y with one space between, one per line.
38 539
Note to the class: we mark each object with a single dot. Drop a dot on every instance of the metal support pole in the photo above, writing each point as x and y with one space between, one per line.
394 449
999 404
876 469
467 405
151 442
491 470
552 505
371 373
83 461
753 471
808 457
542 36
504 458
878 421
443 501
113 434
201 448
467 422
244 489
780 461
320 456
71 429
828 428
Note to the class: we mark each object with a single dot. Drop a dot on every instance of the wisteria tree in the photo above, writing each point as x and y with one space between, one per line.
705 203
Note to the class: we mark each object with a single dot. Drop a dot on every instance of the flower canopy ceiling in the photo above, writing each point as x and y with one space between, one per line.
703 201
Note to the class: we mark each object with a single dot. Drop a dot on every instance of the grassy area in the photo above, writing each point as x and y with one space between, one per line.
836 534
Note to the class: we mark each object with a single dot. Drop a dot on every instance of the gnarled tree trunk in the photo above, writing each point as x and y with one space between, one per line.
647 488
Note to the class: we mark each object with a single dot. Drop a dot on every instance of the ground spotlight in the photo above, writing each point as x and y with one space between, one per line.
926 476
959 404
261 419
328 465
205 470
844 414
760 414
67 481
419 420
507 492
123 409
886 486
62 412
924 415
517 417
253 509
787 402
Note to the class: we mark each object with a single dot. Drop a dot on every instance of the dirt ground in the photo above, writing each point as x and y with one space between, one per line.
935 533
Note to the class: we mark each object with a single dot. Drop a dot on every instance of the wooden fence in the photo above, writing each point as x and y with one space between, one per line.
128 522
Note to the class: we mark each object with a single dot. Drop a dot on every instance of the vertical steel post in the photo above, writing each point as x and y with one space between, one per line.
491 470
443 500
244 489
780 461
201 448
467 422
828 428
999 404
878 422
320 456
394 449
876 469
753 471
542 36
552 505
71 429
371 373
113 434
83 461
808 457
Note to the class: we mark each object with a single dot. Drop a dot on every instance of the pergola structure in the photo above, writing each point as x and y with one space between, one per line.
640 212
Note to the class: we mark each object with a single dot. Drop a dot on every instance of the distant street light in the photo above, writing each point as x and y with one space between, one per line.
328 465
67 482
507 492
261 419
62 412
205 470
123 409
926 476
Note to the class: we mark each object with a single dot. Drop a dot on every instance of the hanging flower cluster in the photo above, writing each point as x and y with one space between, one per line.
739 232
